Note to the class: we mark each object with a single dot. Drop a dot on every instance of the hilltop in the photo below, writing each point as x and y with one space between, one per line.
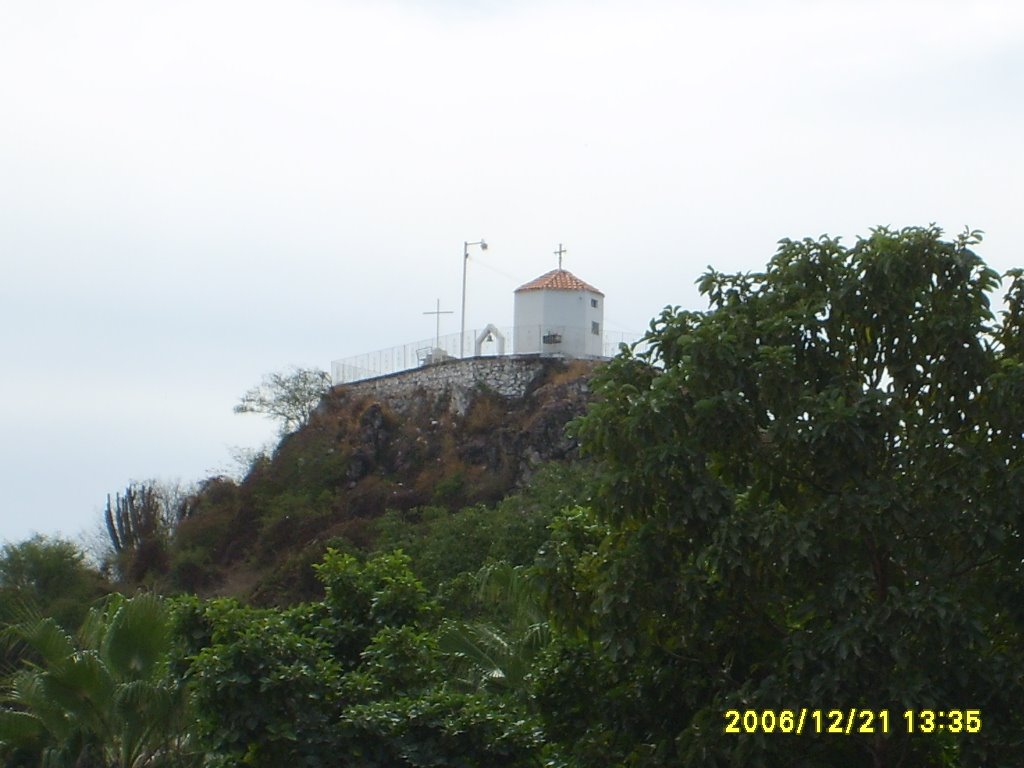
463 434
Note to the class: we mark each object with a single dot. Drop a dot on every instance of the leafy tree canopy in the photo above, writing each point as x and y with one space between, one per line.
288 397
811 496
48 576
354 680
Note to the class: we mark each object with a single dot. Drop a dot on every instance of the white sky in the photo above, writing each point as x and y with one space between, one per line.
193 194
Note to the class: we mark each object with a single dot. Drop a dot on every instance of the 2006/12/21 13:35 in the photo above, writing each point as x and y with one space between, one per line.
850 721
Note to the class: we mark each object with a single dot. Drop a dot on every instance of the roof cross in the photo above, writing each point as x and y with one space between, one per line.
560 252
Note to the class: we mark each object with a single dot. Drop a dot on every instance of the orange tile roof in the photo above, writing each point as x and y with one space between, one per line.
558 280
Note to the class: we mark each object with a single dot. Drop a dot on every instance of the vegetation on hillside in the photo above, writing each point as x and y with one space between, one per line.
355 460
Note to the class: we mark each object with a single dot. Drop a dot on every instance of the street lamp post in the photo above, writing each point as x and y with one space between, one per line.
465 262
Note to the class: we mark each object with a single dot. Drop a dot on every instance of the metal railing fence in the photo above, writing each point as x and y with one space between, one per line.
481 342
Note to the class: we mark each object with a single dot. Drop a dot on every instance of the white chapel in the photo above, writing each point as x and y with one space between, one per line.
558 314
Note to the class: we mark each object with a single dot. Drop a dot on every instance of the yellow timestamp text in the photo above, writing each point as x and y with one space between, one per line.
848 722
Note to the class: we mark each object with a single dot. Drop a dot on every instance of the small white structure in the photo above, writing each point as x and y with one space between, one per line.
489 335
558 314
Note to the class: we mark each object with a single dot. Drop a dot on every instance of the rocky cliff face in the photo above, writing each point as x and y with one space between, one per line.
466 432
459 433
454 435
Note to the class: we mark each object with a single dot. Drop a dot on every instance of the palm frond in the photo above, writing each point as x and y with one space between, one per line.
103 704
97 621
21 729
81 681
47 638
516 587
137 638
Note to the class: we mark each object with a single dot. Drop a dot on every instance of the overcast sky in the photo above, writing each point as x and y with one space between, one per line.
193 194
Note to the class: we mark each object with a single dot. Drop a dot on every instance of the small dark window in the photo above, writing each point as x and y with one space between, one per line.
595 328
593 303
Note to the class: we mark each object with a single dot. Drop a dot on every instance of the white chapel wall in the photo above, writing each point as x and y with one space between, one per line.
541 316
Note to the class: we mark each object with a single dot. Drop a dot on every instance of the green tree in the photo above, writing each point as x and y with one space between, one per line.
356 679
288 397
270 685
47 576
266 691
441 729
106 700
810 496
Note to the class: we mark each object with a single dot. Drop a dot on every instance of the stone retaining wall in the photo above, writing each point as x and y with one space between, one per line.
508 375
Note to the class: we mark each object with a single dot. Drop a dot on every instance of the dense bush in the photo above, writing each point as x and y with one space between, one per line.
354 679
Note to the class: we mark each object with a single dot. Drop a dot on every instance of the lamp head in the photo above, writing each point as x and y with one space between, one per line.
483 245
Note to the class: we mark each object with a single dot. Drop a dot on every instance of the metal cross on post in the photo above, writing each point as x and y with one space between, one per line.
560 252
439 312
